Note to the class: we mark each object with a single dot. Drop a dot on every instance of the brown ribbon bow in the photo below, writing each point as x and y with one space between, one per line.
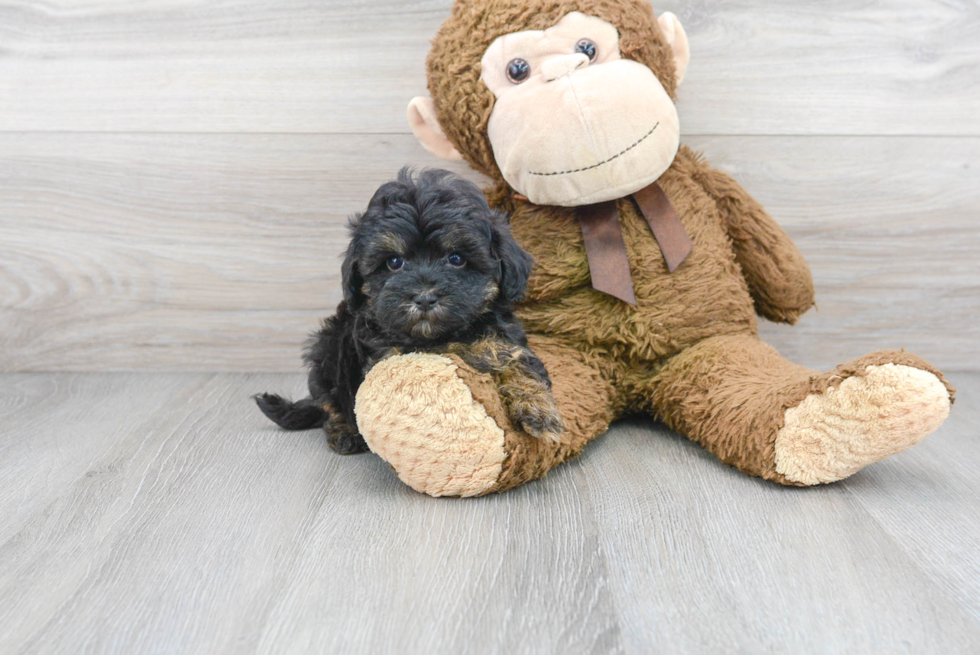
606 250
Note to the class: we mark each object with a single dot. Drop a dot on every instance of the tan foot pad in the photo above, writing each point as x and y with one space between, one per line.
834 434
417 415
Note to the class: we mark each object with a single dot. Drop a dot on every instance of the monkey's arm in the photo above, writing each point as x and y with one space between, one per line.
778 276
522 381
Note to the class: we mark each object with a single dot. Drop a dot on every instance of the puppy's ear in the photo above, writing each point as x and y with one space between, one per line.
514 262
351 279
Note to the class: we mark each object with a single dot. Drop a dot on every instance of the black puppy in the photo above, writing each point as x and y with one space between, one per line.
430 268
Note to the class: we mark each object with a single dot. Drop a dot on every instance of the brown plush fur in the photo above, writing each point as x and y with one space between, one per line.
454 62
688 352
585 397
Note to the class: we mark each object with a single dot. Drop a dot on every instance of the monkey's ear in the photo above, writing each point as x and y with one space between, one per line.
677 39
425 126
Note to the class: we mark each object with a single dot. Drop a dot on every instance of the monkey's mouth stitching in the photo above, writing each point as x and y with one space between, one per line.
617 155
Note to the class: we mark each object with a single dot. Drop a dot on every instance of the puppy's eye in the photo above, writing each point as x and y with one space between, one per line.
395 262
455 259
587 48
518 70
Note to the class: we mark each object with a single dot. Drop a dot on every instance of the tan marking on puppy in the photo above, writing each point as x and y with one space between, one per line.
834 434
491 291
392 242
455 237
423 330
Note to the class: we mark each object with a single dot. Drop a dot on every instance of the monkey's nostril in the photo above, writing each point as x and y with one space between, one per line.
562 65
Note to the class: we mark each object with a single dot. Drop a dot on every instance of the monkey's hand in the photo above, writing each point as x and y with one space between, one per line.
774 268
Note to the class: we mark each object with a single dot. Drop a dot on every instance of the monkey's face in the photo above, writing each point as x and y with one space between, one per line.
574 123
571 110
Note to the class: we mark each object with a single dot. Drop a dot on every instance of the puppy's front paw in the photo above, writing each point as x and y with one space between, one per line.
543 424
349 446
342 440
537 415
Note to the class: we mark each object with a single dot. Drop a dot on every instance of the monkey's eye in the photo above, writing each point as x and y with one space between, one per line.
395 262
456 259
518 70
587 48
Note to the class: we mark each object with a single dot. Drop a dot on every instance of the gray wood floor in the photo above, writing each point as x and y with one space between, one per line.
146 513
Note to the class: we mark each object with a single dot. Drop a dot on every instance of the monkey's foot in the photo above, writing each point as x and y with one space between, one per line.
878 411
418 415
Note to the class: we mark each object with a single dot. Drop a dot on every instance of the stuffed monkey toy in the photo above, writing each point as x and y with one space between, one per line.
651 267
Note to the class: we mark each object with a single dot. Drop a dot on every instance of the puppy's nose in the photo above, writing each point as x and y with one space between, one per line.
425 301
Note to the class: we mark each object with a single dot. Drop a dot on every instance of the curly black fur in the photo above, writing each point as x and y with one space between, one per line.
430 267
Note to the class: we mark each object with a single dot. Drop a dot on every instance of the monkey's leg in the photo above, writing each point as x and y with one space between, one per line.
737 397
444 428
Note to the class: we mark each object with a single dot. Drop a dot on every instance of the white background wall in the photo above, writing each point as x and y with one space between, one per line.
175 174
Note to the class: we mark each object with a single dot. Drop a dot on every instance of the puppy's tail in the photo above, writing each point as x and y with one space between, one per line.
301 415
